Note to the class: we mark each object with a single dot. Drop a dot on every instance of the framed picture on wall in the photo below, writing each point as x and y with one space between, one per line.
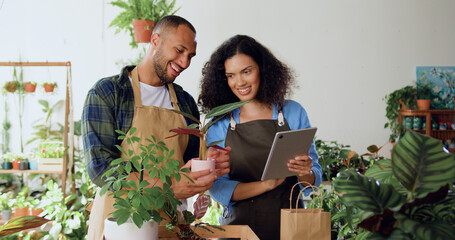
442 81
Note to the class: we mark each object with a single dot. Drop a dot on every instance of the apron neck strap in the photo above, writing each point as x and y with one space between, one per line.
136 88
174 101
280 120
137 91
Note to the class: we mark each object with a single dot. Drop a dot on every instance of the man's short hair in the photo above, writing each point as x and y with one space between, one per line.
172 21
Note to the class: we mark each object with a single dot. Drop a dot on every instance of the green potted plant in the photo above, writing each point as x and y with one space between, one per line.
44 128
6 161
143 15
50 156
407 197
11 86
21 203
30 87
133 199
5 199
49 86
424 94
400 99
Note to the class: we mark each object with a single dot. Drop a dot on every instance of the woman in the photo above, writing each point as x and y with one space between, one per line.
241 69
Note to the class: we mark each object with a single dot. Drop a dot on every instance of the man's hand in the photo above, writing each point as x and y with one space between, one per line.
222 166
185 188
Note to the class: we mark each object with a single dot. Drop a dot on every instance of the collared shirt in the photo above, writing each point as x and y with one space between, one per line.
109 106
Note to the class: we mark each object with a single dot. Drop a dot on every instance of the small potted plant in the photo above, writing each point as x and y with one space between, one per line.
23 164
16 161
6 161
139 17
49 86
21 203
50 156
5 199
400 99
137 201
11 86
30 87
424 94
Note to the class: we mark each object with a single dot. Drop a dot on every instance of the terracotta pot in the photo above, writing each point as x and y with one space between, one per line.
16 164
129 230
49 87
30 87
35 212
403 106
199 165
21 212
143 30
423 104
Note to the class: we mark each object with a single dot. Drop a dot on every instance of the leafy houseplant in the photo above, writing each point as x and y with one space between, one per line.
407 197
11 86
133 198
44 127
152 10
424 94
401 98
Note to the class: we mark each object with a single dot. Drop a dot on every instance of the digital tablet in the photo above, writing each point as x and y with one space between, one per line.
287 145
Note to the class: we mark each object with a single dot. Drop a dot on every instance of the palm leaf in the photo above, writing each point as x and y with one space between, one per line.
366 193
421 165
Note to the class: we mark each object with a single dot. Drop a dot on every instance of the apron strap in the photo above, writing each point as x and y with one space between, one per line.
280 121
173 96
136 88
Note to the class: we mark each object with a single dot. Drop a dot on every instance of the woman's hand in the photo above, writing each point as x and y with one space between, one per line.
301 165
272 183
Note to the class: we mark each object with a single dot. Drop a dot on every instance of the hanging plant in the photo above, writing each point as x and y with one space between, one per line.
11 86
49 86
30 87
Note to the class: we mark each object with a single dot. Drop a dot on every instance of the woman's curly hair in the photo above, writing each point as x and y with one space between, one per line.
275 82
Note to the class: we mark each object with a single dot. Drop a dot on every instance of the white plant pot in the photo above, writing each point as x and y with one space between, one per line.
199 165
6 215
129 230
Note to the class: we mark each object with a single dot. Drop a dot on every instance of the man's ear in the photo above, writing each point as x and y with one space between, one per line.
155 40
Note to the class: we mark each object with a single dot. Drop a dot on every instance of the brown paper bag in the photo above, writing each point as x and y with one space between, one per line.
301 224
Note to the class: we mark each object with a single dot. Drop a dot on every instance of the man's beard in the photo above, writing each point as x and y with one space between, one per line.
160 64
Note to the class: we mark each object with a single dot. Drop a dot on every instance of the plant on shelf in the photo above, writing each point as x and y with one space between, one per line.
29 87
410 196
51 150
49 86
148 10
5 204
424 94
6 126
401 98
44 129
11 86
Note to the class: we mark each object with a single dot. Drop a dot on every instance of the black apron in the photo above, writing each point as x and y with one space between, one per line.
251 143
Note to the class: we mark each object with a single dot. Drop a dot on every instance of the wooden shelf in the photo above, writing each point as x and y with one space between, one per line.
28 171
438 115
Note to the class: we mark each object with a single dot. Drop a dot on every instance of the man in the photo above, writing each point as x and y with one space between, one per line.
141 97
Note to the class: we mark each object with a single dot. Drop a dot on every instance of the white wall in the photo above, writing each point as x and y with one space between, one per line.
347 54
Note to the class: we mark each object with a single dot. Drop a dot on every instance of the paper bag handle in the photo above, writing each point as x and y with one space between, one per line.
309 185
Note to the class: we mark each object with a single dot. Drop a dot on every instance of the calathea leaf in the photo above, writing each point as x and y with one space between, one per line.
366 193
437 230
18 224
201 205
421 165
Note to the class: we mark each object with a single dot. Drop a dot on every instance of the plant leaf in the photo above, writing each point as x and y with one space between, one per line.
226 108
433 230
421 165
366 193
18 224
180 131
201 205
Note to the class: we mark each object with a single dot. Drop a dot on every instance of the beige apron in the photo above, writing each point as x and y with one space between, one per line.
148 120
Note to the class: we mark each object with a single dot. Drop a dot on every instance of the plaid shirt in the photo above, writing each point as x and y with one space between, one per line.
110 106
